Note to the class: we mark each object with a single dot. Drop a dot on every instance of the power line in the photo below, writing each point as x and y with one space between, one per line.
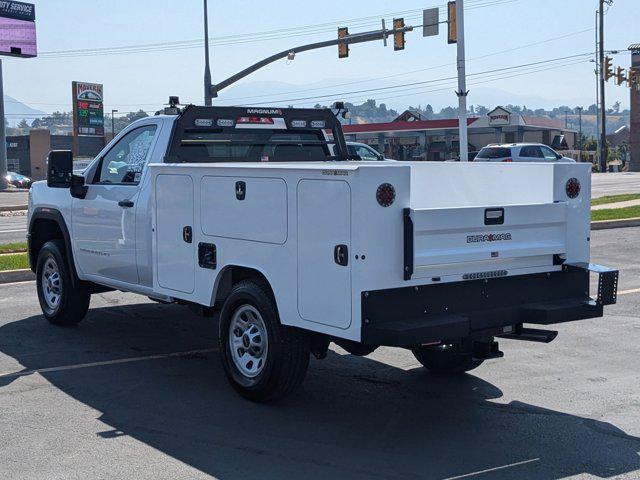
305 30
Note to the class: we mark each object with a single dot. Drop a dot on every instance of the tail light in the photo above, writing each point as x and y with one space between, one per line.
508 160
573 187
385 194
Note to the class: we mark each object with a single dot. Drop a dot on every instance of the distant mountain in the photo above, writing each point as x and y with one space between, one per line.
16 111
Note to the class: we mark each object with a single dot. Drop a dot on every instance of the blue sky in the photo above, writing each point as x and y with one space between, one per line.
526 31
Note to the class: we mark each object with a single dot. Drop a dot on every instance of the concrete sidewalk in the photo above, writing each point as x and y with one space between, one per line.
607 206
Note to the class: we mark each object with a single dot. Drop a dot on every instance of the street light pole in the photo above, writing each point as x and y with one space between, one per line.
207 70
462 84
603 113
113 124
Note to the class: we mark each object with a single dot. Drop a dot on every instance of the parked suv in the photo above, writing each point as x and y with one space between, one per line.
520 152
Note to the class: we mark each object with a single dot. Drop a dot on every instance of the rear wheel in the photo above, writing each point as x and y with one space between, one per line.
446 359
61 302
263 360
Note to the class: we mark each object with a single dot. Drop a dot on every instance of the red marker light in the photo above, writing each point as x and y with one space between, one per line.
256 120
385 194
508 160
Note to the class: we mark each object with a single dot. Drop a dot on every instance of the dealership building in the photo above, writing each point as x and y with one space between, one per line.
409 137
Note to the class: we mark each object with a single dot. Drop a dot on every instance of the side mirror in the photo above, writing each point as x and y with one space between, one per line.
59 168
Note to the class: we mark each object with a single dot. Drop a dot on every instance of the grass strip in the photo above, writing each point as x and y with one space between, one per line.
14 261
13 247
615 213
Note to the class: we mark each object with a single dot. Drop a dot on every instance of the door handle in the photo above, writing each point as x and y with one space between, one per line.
125 203
341 255
187 234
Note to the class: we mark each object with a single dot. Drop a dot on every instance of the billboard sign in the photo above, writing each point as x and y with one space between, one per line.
88 109
17 29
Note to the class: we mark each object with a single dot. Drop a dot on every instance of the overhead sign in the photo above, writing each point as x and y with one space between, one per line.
17 29
499 116
430 22
88 109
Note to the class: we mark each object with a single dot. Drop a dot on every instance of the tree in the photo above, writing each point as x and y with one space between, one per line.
23 124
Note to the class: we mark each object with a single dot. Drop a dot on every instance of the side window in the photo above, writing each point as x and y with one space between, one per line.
526 152
126 159
549 154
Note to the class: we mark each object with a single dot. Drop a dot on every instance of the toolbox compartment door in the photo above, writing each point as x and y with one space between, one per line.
324 247
175 254
468 240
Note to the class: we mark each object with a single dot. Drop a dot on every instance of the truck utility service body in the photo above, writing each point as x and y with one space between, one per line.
436 257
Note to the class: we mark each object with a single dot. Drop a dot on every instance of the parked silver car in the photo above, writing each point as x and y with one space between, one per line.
520 152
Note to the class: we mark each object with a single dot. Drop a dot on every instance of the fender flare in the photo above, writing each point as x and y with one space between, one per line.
47 213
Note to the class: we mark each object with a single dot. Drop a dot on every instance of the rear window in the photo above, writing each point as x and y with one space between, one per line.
253 145
494 152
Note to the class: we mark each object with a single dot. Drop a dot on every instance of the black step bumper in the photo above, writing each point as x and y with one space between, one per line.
411 316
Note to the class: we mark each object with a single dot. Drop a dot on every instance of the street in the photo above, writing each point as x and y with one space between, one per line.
13 229
614 183
137 391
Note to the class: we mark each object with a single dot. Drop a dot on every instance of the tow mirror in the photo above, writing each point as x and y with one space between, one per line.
78 188
59 168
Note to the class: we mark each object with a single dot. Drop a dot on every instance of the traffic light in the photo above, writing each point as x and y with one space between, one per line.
452 33
343 48
608 68
633 78
398 37
620 78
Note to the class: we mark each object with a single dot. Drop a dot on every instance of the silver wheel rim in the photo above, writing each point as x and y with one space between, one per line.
248 341
51 283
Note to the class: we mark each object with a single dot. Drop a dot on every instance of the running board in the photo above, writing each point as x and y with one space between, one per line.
532 335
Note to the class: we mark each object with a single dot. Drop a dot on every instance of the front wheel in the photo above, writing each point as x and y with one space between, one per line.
446 359
262 359
61 302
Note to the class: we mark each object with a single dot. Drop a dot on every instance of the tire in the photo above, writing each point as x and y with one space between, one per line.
61 302
445 359
263 360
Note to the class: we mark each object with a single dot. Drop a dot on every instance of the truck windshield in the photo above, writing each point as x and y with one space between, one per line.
253 145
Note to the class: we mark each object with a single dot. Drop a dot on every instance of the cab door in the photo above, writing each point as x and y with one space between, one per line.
324 247
104 222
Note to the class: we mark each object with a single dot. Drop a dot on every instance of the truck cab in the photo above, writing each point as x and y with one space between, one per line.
261 217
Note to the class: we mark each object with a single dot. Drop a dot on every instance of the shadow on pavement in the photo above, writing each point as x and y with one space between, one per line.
352 418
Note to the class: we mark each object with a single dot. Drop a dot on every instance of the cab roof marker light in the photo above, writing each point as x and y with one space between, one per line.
203 122
298 123
224 122
318 124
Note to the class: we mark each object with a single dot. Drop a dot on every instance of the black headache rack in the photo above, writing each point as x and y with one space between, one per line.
409 316
226 119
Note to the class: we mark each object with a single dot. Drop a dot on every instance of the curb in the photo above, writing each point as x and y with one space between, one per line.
13 208
622 223
10 276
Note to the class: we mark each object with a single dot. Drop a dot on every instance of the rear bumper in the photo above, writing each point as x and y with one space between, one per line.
410 316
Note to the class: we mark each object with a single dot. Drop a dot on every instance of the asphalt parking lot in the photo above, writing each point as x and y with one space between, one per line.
137 391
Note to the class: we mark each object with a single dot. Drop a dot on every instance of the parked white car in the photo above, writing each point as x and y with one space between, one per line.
520 152
364 151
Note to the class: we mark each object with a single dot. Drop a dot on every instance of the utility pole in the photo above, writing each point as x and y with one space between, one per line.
207 70
462 84
113 124
566 119
603 112
3 139
579 133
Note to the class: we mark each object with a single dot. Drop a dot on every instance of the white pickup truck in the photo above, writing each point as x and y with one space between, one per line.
247 213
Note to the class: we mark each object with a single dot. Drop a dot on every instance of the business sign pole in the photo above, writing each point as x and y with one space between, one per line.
17 39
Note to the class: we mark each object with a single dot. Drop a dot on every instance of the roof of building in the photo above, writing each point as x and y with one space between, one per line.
634 47
400 126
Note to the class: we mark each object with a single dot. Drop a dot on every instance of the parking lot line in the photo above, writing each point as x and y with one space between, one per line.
106 362
494 469
626 292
